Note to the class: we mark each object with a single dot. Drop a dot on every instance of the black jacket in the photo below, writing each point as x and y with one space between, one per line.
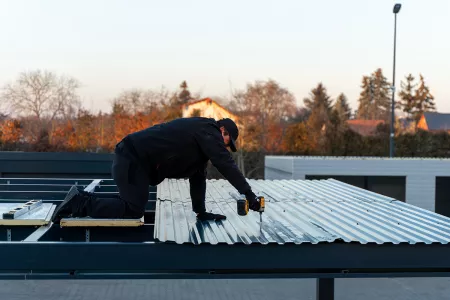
181 149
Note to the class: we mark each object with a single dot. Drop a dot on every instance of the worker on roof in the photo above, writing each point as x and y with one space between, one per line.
177 149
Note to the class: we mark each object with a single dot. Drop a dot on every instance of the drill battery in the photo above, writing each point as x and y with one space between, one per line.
242 207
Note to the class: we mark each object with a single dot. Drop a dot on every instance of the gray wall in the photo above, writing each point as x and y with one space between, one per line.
420 172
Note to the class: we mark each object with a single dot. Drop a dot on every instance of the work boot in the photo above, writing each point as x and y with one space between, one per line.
73 205
206 216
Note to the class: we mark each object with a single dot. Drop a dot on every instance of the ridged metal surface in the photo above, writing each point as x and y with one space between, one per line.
297 211
420 173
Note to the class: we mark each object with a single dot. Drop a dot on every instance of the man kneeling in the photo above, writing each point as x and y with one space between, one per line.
177 149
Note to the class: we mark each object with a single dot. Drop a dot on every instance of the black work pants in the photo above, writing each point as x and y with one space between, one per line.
133 184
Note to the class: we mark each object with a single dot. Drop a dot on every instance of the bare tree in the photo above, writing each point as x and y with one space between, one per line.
43 95
4 110
263 105
135 101
39 98
265 109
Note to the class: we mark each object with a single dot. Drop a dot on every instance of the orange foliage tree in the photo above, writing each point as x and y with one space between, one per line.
11 131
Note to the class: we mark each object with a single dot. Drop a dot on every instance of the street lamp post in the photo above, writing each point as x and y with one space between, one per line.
391 144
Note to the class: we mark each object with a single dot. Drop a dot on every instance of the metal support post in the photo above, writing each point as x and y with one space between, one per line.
325 289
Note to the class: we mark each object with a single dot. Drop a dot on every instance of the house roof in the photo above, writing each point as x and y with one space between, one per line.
210 100
437 121
364 127
297 212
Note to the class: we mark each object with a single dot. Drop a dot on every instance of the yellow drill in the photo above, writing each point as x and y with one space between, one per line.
243 207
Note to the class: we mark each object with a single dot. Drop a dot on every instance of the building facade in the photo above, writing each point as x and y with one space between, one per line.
423 182
207 108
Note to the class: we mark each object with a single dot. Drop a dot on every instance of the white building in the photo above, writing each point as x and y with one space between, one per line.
423 182
207 108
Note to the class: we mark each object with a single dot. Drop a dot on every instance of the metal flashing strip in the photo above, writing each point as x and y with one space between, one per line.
36 217
39 233
20 210
93 185
297 211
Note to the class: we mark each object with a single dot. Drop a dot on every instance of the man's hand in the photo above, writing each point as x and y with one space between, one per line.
254 205
253 201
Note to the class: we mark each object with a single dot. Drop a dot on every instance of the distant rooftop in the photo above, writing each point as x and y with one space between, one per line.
437 121
364 127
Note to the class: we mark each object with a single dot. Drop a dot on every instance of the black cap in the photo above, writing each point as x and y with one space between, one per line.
232 129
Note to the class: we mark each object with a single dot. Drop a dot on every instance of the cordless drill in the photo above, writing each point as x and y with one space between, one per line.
243 206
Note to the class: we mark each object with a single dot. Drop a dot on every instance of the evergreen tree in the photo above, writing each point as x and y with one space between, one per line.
342 108
319 103
424 100
365 106
381 97
185 95
374 100
407 98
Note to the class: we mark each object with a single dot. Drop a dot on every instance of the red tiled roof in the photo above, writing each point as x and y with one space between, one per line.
364 127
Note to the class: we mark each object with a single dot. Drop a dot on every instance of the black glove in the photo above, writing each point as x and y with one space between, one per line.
253 203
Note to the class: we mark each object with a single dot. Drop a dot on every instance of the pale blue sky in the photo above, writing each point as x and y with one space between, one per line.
115 45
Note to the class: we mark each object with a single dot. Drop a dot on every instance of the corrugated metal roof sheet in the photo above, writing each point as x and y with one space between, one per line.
358 158
297 211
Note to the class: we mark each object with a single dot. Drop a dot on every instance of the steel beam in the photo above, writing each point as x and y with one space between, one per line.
45 181
330 260
73 275
325 289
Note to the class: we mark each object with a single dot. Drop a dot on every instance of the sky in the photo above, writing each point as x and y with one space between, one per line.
221 46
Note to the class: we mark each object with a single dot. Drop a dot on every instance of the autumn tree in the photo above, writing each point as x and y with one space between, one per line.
63 136
10 131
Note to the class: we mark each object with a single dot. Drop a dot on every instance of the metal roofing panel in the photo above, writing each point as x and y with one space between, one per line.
297 211
311 157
